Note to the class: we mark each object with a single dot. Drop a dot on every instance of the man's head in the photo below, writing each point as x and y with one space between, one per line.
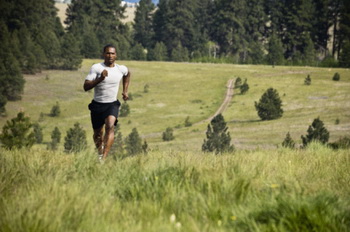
109 54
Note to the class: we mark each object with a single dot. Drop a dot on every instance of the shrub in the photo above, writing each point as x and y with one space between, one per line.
38 133
55 139
146 88
288 142
55 110
307 80
124 110
17 133
187 122
238 82
336 77
316 132
218 138
270 105
75 139
133 143
145 147
244 87
168 134
342 143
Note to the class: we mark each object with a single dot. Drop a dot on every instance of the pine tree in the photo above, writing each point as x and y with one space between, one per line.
75 139
336 77
244 87
124 110
187 122
270 105
344 57
218 138
38 133
316 132
238 82
143 23
70 53
288 142
307 80
159 52
17 133
145 147
275 51
133 143
55 139
55 110
179 53
137 52
168 134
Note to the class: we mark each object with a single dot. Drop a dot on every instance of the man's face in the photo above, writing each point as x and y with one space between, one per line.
110 55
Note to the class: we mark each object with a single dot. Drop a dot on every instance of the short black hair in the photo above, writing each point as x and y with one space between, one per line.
108 46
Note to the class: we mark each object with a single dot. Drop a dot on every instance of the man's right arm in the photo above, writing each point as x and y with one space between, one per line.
89 84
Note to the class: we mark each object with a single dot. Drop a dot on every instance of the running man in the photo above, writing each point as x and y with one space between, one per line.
105 77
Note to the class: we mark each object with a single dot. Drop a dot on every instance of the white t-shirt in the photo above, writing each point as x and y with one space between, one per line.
107 90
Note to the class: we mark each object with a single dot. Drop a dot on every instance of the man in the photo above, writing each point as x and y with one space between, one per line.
105 78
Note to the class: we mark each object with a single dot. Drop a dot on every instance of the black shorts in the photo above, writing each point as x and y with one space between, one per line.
100 111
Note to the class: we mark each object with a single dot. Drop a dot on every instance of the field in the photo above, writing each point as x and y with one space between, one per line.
175 187
194 90
280 190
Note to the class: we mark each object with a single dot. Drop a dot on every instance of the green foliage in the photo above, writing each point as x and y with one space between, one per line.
288 142
218 138
244 87
316 132
124 110
307 80
344 57
159 52
133 143
179 53
336 77
38 133
270 105
75 140
168 134
143 28
145 147
146 88
55 139
238 82
17 133
71 58
137 52
55 110
275 51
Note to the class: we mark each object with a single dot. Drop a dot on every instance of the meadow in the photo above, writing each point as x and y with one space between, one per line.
262 190
196 90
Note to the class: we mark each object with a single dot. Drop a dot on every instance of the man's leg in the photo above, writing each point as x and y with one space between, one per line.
109 135
98 139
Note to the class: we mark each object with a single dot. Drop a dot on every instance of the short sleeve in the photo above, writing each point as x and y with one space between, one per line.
92 74
124 70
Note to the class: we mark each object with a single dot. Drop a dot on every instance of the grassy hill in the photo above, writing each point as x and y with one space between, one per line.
179 90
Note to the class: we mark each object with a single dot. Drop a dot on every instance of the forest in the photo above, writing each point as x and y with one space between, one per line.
271 32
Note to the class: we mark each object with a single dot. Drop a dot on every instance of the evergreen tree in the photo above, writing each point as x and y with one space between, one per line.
238 82
55 139
168 134
288 142
124 110
138 52
187 122
159 52
17 133
218 138
145 147
75 139
55 110
275 51
309 56
244 87
270 105
70 53
316 132
179 54
38 133
133 143
307 80
336 77
143 23
344 57
3 101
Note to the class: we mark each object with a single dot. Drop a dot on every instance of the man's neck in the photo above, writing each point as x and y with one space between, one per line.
109 65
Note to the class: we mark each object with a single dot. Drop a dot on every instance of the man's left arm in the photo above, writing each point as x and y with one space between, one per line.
126 81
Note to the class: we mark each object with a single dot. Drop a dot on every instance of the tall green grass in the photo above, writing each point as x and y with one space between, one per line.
261 190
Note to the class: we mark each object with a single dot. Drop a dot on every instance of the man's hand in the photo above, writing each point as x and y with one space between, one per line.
125 96
104 74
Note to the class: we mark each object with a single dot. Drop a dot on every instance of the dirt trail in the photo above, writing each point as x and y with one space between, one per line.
222 108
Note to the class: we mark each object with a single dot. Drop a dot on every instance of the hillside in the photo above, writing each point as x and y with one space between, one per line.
194 90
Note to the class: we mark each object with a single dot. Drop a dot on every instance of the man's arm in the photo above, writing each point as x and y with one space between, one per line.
91 84
126 81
